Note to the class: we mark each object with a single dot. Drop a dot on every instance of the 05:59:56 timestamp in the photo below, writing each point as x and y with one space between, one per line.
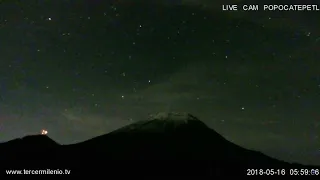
304 172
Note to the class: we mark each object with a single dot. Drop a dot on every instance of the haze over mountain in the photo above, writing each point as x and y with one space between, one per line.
172 143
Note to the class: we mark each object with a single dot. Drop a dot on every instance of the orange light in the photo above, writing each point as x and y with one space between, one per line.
44 132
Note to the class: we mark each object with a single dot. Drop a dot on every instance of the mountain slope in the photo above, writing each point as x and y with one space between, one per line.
165 144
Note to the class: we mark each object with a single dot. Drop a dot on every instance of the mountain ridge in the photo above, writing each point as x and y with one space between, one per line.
188 146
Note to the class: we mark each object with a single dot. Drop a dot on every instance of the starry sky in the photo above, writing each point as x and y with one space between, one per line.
79 69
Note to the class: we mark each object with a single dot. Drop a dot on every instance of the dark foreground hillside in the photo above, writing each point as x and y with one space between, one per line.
166 144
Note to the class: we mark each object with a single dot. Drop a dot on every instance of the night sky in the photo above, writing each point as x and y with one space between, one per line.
84 68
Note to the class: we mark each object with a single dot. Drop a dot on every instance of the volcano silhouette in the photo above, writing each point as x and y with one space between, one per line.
165 144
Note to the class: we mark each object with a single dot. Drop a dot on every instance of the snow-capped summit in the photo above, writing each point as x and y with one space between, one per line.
165 122
173 116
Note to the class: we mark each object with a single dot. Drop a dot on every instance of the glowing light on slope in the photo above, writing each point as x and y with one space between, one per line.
44 132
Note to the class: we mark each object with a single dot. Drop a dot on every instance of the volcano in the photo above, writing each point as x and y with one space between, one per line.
164 144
